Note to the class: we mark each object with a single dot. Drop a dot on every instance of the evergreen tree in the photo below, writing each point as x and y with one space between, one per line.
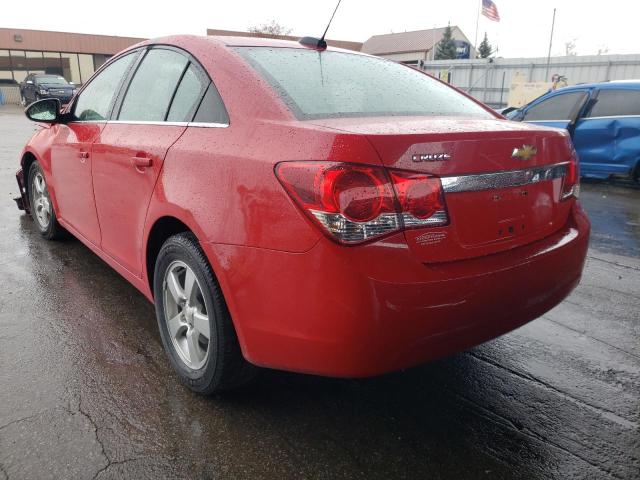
485 50
446 49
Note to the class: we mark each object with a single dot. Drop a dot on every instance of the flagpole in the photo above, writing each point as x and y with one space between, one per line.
475 43
433 41
553 23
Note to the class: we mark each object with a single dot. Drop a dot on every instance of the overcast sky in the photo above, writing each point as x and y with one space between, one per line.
523 31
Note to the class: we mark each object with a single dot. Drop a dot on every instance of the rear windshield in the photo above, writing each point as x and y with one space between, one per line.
51 80
334 84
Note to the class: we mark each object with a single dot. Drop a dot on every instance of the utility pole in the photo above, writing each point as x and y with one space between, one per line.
553 23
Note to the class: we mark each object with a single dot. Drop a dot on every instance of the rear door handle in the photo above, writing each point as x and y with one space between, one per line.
141 162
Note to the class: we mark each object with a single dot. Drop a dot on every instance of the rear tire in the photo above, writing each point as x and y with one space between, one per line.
194 322
42 210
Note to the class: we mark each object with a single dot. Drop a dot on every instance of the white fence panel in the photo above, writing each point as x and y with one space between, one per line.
484 78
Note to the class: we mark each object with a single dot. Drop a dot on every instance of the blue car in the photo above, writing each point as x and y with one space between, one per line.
603 120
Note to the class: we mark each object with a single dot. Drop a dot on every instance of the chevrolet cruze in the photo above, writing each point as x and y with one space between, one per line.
306 209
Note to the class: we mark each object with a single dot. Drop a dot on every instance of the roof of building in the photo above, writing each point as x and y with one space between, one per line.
42 40
416 41
347 45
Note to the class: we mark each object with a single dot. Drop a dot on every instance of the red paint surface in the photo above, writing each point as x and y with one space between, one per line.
298 300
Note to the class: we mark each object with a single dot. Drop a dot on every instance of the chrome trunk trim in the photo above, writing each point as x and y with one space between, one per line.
511 178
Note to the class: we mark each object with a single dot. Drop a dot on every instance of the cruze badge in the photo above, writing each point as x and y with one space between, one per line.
430 157
524 153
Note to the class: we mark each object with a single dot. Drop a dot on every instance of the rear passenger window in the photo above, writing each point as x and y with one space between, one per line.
151 90
614 103
212 109
558 107
188 96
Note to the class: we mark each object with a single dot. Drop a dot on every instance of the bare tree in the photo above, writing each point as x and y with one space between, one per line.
270 28
570 48
603 50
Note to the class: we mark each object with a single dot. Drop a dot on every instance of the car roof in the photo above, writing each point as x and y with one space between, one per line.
615 84
235 41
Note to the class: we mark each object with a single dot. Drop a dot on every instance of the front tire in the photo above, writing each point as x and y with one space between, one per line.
195 325
41 207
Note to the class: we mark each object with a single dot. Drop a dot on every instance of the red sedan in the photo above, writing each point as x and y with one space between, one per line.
305 209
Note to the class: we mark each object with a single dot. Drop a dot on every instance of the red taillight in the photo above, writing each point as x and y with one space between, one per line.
355 203
420 198
360 194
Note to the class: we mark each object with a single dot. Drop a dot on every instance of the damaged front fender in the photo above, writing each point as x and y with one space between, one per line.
23 200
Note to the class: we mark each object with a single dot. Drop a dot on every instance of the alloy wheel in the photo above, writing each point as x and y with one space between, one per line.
186 315
41 202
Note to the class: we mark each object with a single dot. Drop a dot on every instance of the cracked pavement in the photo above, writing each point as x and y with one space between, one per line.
86 390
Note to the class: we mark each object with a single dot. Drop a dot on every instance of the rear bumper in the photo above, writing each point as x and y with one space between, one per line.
22 201
372 309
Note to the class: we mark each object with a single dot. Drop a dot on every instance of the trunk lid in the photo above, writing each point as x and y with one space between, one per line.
495 201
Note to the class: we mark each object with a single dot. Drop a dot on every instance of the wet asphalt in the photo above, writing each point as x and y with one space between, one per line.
86 391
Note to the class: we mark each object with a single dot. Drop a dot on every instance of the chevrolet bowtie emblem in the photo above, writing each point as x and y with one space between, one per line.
524 153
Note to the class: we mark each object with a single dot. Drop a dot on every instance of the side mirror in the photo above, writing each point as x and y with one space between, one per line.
46 110
29 82
515 115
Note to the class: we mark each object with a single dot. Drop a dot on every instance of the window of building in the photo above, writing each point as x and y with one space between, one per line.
96 99
6 72
19 65
52 64
20 75
18 60
614 103
151 90
99 60
35 62
70 67
86 66
76 68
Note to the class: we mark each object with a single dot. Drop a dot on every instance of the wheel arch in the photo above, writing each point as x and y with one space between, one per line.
163 228
28 159
635 171
167 225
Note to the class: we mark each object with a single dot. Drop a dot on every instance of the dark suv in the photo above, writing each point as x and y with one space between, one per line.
36 87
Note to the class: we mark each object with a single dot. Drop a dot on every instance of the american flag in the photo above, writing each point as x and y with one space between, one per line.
490 10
